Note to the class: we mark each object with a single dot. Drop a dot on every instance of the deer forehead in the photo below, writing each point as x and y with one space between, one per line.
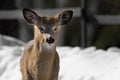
48 21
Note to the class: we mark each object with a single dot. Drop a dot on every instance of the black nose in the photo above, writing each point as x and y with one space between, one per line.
50 40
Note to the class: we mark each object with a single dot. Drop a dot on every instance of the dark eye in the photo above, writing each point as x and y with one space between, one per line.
55 29
42 29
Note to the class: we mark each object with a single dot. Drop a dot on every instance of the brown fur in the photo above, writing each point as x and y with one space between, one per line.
40 61
44 66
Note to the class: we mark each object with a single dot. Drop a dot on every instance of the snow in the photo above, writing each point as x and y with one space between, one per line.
75 63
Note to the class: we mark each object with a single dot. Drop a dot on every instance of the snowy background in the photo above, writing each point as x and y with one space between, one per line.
76 63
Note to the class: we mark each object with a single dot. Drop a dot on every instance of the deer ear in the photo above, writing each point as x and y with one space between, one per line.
65 17
30 16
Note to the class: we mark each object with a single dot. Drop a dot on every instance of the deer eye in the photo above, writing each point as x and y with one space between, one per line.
42 29
54 29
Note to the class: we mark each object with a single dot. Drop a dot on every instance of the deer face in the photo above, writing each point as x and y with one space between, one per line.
47 27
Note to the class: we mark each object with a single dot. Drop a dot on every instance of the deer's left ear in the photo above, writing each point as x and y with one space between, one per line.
65 17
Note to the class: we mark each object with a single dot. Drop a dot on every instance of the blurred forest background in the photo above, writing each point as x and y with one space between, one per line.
99 35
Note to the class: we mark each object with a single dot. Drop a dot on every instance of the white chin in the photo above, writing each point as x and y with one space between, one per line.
48 46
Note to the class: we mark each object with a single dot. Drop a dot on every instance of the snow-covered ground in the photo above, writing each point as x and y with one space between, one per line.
75 63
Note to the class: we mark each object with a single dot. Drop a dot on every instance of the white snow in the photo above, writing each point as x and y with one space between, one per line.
75 63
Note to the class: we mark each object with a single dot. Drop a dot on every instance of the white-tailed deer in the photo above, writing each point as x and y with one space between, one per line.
40 60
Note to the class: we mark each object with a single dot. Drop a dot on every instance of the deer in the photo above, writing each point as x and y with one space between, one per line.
40 60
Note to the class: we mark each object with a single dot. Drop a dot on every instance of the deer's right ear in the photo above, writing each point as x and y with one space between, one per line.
30 16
